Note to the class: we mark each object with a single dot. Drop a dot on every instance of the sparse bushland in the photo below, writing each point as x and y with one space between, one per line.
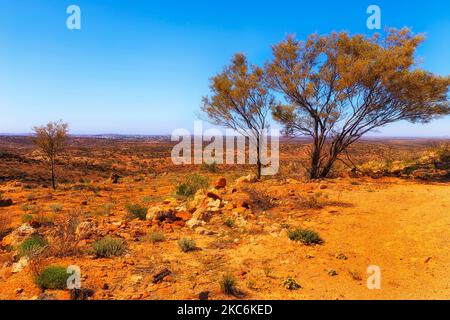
109 247
32 246
187 245
305 236
53 278
136 210
190 185
228 284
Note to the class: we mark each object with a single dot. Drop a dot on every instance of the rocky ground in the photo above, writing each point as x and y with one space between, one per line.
240 228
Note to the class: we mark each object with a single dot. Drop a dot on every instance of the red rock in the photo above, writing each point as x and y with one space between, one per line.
220 183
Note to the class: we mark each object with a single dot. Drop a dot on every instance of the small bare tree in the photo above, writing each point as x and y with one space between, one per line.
51 140
241 101
339 87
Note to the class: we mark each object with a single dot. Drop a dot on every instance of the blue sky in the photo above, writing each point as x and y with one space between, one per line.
141 67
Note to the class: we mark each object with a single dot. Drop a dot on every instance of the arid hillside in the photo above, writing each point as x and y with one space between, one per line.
139 227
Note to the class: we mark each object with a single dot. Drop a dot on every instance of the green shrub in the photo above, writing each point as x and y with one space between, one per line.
187 245
53 277
156 237
32 246
211 168
136 210
229 222
305 236
27 218
56 207
291 284
108 247
228 284
190 185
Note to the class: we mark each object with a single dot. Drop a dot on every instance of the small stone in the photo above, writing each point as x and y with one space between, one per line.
18 291
204 295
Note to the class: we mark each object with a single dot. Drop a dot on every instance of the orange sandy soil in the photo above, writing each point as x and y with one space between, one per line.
401 226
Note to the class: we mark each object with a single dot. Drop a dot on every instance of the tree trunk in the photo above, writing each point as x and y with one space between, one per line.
258 159
52 164
315 158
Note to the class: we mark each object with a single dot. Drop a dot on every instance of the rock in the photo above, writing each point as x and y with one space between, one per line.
220 183
115 178
213 195
18 290
194 223
135 279
251 178
18 235
204 295
161 275
323 187
161 213
81 294
6 202
85 230
19 265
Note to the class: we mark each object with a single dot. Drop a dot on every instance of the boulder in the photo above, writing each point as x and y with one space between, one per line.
251 178
161 213
220 183
18 235
19 265
6 202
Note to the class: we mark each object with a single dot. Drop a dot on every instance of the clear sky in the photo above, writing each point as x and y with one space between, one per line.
141 67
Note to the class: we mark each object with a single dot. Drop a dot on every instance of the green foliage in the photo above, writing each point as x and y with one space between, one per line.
229 222
53 277
27 218
291 284
32 246
187 245
136 210
108 247
211 168
228 284
305 236
191 184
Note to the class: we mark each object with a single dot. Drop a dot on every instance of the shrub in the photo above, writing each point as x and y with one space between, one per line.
65 238
56 207
191 184
136 210
108 247
32 246
229 222
305 236
291 284
211 168
157 237
187 245
27 218
53 277
228 284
